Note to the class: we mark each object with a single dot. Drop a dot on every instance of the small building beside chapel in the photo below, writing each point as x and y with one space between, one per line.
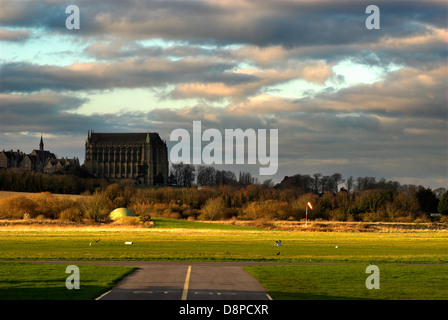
141 158
39 160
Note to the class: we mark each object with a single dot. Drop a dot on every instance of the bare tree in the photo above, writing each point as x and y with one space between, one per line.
336 179
268 183
245 178
317 182
183 175
206 176
349 184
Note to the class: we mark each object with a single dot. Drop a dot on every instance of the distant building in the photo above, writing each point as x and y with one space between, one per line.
38 160
138 157
55 165
10 159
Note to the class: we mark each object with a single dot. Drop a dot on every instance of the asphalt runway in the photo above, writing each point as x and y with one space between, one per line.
187 281
163 280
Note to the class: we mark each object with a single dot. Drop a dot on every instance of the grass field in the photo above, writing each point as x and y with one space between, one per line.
347 282
195 241
7 194
32 281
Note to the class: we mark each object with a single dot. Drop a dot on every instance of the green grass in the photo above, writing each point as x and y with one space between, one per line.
195 241
347 282
34 281
199 241
166 223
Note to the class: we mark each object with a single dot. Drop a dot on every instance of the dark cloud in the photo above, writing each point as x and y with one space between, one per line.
393 128
262 23
131 73
41 112
14 35
40 103
56 114
316 142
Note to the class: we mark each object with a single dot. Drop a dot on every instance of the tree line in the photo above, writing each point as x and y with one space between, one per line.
73 180
251 202
223 196
187 175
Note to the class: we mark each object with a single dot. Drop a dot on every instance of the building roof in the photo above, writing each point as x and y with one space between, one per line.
43 154
12 154
124 138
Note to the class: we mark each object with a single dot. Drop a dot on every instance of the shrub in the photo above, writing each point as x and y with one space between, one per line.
374 216
50 206
268 209
128 221
443 204
97 208
213 209
120 202
144 217
338 215
16 207
141 209
371 200
120 194
403 205
73 214
160 208
46 204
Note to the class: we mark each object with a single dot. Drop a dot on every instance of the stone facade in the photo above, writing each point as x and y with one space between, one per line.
38 160
138 157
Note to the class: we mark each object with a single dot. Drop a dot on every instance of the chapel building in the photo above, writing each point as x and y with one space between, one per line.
141 158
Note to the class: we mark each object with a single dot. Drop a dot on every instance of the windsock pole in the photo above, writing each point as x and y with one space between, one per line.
306 216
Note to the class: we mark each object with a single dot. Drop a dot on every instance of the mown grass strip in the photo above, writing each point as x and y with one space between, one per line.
166 223
34 281
347 282
224 245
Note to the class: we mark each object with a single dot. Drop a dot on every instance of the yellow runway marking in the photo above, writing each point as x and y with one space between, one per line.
187 283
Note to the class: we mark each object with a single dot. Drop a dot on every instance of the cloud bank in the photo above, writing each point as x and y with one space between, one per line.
344 98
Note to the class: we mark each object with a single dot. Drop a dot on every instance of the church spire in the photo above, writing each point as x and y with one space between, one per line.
41 144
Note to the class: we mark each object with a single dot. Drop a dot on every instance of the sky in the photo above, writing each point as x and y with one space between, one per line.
344 98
